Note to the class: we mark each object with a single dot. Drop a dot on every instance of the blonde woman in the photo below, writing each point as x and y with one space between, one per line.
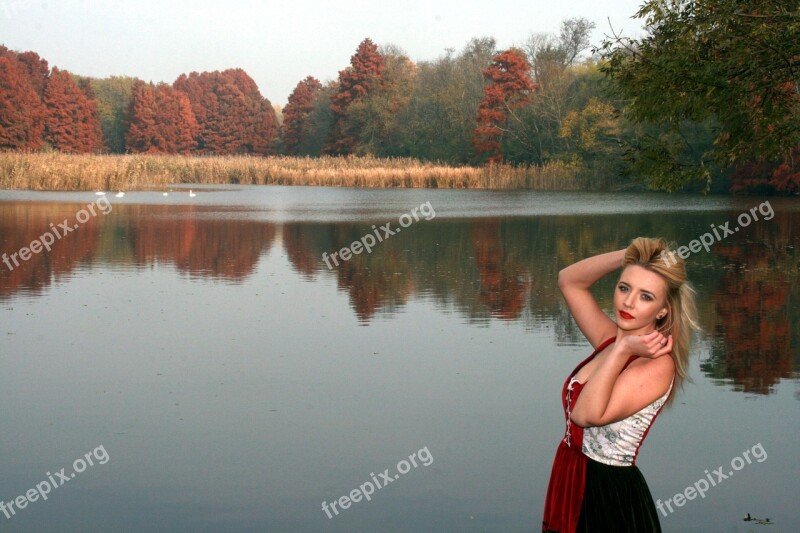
612 398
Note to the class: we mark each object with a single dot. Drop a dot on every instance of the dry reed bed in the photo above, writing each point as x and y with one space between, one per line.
57 171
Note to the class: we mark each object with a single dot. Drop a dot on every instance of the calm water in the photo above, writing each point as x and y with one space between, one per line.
228 380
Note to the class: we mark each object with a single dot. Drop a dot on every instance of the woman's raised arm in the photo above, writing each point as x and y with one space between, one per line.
574 282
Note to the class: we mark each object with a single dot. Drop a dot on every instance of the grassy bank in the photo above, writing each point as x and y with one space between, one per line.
57 171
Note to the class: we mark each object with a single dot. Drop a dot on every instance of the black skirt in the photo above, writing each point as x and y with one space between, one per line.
616 498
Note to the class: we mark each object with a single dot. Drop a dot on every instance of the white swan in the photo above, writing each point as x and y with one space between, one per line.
164 193
120 194
100 193
192 194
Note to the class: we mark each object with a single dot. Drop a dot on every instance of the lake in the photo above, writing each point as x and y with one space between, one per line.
193 364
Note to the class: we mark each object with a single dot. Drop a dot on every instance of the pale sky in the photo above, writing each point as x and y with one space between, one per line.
277 42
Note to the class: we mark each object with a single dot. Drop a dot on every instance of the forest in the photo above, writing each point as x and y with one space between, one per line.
707 100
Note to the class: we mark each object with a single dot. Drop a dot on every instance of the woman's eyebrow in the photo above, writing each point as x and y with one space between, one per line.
651 293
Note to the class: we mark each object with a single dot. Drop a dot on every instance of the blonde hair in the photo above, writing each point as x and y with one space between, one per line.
680 321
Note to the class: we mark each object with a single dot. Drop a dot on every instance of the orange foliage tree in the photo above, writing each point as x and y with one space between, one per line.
364 75
21 108
38 70
296 112
72 123
509 88
161 120
769 177
232 116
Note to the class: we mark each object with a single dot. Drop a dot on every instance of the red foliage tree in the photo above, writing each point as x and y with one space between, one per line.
176 119
38 70
296 112
769 177
261 130
72 123
143 135
21 108
161 120
232 115
509 88
364 75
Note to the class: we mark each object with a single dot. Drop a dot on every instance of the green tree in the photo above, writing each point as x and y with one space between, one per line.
319 123
362 77
113 97
374 118
439 120
535 131
729 64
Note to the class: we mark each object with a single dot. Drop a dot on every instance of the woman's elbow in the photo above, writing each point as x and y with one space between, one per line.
579 420
562 279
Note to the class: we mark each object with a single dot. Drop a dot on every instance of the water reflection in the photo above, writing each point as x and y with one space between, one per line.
756 314
482 268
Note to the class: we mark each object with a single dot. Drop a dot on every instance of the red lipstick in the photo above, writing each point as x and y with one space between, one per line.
625 315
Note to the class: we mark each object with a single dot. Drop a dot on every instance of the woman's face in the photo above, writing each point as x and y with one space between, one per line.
639 299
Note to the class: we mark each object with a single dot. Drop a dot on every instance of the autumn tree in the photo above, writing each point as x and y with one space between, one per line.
594 130
38 70
768 177
296 113
71 121
375 118
175 120
21 109
143 135
161 120
362 77
508 89
734 63
261 125
232 115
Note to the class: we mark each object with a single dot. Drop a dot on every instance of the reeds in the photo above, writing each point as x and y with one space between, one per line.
57 171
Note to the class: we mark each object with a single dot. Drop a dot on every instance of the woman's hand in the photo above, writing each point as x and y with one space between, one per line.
652 345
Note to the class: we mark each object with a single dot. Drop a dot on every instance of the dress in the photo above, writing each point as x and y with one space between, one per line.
595 485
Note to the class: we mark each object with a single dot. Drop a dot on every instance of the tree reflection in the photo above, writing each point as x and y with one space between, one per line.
483 269
756 309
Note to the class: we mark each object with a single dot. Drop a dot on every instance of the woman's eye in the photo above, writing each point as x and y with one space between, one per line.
623 288
646 297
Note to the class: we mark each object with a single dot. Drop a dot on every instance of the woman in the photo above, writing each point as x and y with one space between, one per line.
612 398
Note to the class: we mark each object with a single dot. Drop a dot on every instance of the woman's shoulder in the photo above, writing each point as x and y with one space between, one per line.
661 368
